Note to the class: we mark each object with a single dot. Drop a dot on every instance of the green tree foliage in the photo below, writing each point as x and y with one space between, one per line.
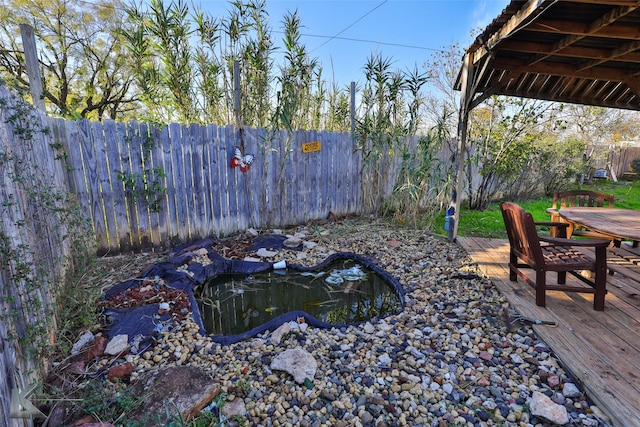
598 125
503 134
85 71
559 163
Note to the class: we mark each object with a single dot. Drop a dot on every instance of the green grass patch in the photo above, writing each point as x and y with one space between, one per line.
488 223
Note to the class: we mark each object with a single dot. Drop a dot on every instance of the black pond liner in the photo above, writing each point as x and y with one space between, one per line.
143 321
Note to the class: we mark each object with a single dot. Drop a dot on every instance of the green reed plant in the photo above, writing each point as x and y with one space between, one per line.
390 104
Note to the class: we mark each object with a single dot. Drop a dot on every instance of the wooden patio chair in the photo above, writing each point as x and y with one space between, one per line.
578 198
557 254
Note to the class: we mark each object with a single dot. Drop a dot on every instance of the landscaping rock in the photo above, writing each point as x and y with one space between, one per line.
85 338
117 345
570 390
183 389
96 349
542 406
234 408
277 335
120 372
297 362
265 253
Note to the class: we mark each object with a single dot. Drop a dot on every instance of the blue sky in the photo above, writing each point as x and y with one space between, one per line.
405 31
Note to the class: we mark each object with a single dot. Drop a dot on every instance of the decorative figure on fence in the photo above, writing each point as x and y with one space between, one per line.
244 161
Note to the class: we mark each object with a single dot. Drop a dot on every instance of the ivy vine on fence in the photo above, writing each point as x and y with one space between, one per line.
44 239
148 185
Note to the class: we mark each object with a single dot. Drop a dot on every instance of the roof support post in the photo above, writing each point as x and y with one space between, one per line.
453 213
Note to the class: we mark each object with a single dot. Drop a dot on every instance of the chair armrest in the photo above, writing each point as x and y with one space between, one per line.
553 224
556 229
571 242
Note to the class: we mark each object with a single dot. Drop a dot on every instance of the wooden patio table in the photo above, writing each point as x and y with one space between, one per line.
619 224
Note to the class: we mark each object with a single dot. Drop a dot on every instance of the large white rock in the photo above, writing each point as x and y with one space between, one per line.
297 362
292 242
542 406
265 253
117 345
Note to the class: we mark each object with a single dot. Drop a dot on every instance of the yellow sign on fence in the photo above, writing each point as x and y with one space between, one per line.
309 147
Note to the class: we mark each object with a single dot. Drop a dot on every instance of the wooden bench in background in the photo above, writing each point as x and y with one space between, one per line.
579 198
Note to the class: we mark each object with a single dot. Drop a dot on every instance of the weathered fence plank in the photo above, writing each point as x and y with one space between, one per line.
103 183
324 163
213 179
242 190
254 182
154 202
314 171
169 162
201 227
290 178
120 238
265 162
187 161
334 151
231 182
161 140
222 166
130 235
89 158
178 147
135 140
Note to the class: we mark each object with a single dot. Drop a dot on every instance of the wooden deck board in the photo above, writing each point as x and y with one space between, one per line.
600 349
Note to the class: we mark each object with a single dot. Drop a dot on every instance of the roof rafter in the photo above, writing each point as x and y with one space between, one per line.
573 51
615 54
602 22
581 29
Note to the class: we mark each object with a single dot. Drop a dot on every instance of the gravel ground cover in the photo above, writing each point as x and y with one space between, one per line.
451 358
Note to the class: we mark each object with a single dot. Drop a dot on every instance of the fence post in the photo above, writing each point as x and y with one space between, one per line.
33 68
236 102
352 109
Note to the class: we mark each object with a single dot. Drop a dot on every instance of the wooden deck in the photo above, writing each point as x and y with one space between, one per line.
600 349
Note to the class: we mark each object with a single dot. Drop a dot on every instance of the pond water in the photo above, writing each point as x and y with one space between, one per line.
341 293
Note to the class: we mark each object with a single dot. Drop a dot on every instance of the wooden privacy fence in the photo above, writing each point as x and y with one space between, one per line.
156 186
33 244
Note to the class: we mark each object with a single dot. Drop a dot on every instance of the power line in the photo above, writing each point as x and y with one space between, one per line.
365 41
351 25
329 38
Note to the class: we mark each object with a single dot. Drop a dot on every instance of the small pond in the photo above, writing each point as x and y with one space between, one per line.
341 293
